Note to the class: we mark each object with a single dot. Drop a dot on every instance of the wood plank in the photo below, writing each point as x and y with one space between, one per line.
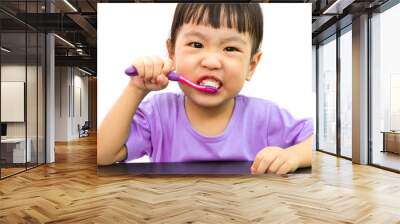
69 191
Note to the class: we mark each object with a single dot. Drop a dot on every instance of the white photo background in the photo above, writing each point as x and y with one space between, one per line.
284 75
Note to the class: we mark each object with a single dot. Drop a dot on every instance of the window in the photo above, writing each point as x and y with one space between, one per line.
22 65
327 96
385 88
346 93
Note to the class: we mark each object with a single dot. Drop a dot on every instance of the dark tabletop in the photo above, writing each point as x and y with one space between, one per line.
182 168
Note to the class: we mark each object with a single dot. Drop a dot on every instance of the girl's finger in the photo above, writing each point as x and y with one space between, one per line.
262 166
158 65
148 69
162 81
268 159
284 169
276 165
257 160
139 65
168 66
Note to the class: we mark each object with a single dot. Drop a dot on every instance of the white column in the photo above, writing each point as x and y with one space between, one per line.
360 90
50 93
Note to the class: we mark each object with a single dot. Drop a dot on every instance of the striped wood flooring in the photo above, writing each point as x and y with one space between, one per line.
69 191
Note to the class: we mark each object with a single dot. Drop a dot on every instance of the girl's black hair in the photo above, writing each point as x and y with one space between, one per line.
244 17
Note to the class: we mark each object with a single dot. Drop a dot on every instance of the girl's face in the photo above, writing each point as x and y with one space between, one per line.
218 57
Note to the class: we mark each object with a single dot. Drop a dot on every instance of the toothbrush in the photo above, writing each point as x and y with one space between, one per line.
131 71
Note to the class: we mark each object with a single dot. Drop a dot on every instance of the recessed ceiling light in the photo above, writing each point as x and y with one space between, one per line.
84 71
5 50
338 6
70 5
64 40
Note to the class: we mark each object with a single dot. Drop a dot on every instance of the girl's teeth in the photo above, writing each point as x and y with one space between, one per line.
210 82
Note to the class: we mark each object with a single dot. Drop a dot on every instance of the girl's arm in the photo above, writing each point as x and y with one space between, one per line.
114 129
303 151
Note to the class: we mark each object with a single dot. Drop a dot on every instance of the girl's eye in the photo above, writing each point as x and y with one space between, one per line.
231 49
196 45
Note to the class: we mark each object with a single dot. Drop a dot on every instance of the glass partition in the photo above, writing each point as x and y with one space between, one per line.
31 100
22 76
346 93
41 91
13 107
327 96
385 87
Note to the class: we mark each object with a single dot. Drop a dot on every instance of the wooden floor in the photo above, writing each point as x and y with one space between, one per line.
387 159
5 172
69 191
10 170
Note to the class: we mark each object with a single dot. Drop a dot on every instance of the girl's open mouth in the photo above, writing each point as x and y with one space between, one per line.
211 82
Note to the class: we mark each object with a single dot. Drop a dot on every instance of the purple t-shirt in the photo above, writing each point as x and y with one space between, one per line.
161 130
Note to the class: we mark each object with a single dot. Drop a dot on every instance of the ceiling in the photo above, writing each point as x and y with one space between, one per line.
76 22
77 25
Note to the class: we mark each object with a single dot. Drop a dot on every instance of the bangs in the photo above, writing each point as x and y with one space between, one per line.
219 15
243 17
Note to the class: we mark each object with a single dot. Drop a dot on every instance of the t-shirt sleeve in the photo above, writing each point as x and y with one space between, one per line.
138 143
284 130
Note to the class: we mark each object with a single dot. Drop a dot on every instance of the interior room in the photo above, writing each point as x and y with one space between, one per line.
49 170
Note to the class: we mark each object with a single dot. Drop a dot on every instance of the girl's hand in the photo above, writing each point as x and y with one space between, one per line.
152 73
275 160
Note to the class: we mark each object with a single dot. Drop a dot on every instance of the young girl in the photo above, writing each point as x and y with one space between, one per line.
215 45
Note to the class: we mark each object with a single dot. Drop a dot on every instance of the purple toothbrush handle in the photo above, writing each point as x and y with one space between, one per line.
131 71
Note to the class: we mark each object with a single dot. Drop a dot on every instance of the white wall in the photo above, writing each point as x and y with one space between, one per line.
12 73
61 103
80 83
284 74
34 124
68 81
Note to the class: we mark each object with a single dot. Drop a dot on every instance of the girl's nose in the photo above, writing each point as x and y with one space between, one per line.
211 61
